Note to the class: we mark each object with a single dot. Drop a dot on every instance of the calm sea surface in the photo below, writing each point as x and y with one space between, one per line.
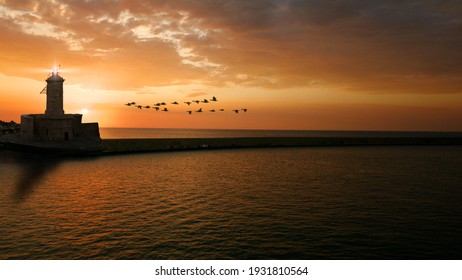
270 203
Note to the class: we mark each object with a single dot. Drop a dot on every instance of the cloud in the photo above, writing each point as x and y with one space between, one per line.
372 46
197 93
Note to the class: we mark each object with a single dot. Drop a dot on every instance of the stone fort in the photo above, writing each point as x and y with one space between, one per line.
55 125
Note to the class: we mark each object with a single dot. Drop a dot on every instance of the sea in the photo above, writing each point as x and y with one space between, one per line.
361 202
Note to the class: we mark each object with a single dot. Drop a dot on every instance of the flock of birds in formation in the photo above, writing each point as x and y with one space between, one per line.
159 106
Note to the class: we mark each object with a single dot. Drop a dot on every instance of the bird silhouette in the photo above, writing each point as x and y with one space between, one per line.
158 106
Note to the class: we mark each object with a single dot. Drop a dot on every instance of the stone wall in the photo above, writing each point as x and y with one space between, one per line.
55 128
89 131
27 127
66 127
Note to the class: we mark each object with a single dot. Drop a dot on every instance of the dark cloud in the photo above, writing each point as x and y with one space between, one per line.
390 46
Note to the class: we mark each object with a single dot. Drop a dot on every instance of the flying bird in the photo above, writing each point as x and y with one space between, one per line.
165 110
128 104
189 112
197 101
221 110
213 99
147 107
157 108
187 102
199 111
205 101
213 110
245 110
236 111
175 103
158 104
163 103
139 107
133 103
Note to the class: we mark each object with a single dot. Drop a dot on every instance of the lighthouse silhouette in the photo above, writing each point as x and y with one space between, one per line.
55 125
54 95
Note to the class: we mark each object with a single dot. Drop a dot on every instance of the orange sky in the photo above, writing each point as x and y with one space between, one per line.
321 65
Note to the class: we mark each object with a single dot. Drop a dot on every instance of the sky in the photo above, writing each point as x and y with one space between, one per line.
304 65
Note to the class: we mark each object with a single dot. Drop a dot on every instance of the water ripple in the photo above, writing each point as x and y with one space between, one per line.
298 203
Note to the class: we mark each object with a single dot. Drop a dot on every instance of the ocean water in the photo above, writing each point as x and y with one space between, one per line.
397 202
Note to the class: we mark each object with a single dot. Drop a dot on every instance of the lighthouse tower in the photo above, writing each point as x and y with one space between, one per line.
54 125
54 95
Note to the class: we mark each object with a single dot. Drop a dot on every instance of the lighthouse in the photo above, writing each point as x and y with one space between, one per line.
54 95
55 125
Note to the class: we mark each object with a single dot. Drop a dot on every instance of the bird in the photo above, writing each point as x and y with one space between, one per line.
213 110
245 110
187 102
236 111
147 107
163 103
213 99
128 104
189 112
199 111
157 108
139 107
165 110
205 101
157 104
133 103
175 103
197 101
221 110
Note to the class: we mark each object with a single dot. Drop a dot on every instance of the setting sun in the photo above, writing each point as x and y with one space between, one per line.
294 65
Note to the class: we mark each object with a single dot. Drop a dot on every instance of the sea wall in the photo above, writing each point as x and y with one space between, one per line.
178 144
117 146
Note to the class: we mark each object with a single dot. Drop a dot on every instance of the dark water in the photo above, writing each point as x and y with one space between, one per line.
282 203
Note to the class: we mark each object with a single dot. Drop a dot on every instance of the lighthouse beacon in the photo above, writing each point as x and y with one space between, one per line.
55 125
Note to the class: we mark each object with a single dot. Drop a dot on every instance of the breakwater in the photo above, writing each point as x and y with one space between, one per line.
178 144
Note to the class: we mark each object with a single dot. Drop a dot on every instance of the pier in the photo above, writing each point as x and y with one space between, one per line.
113 146
140 145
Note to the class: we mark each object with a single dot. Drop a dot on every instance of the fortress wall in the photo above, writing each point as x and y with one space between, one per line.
55 129
27 127
89 131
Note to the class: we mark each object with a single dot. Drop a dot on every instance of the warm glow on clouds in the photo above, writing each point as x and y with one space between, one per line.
295 64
